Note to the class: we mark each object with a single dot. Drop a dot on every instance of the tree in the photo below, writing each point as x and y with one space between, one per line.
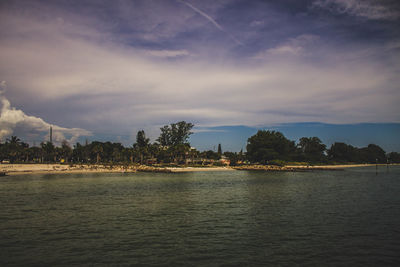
312 149
141 139
210 154
269 145
37 154
219 150
116 155
49 151
394 157
180 132
154 150
175 133
165 138
233 157
14 141
79 153
66 151
341 152
141 146
97 149
13 148
174 139
179 152
372 154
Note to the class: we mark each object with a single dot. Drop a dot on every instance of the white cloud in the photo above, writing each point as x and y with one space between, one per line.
257 23
374 10
293 46
167 53
11 118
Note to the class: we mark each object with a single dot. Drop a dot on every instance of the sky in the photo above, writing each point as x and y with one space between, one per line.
102 70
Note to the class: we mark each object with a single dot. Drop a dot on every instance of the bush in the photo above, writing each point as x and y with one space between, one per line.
277 162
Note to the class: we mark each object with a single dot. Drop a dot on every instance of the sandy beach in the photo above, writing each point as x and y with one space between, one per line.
19 169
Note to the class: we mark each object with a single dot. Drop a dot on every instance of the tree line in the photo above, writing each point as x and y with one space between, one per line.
273 147
172 147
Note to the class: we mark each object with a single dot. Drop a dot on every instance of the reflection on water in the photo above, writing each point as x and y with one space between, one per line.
206 218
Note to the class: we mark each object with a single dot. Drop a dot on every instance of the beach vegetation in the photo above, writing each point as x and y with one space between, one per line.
173 149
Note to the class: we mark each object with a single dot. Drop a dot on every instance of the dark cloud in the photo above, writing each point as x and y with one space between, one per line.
368 9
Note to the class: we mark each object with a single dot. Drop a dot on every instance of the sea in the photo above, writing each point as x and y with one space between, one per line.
226 218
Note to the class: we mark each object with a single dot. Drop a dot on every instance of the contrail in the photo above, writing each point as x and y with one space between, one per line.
219 27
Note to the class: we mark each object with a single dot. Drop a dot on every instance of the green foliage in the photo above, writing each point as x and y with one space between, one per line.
268 145
49 152
141 147
165 138
141 140
175 133
341 152
312 149
264 147
98 151
218 164
394 157
65 151
13 150
277 162
234 157
372 154
173 140
209 154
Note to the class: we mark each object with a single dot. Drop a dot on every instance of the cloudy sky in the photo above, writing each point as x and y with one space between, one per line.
105 69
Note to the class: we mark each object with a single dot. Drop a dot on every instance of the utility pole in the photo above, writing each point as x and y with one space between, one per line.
51 134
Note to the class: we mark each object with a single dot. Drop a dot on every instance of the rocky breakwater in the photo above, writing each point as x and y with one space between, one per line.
144 168
285 168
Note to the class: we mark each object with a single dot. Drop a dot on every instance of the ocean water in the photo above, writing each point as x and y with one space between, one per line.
237 218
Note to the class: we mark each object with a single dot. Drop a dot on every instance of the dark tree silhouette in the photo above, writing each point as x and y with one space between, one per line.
269 145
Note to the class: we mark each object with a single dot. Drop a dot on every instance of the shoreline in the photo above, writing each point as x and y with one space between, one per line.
26 169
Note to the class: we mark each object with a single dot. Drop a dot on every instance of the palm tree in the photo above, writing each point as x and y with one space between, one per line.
13 148
14 140
98 149
65 151
49 151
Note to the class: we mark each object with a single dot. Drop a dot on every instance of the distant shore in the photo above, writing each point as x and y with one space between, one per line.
20 169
